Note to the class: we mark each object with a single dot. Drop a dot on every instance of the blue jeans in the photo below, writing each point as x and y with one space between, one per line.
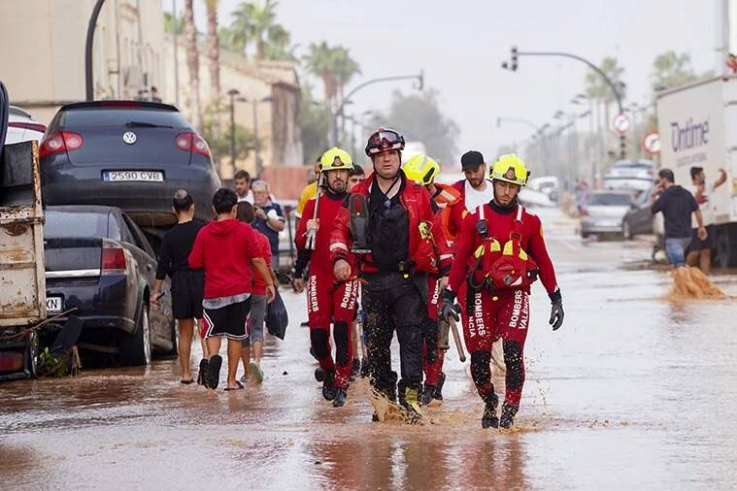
675 249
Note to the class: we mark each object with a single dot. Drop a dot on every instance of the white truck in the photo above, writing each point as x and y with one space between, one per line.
698 127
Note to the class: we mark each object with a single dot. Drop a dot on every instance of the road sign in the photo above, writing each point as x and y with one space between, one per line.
621 123
651 142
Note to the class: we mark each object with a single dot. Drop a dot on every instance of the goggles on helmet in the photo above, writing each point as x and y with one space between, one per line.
384 140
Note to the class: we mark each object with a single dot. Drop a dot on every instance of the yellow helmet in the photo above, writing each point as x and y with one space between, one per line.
336 159
421 169
510 168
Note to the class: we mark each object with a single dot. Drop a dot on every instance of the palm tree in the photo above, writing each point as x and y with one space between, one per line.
213 47
345 68
262 22
193 63
320 61
597 88
278 45
240 29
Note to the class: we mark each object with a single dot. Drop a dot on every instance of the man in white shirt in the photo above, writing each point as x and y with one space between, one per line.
242 181
699 251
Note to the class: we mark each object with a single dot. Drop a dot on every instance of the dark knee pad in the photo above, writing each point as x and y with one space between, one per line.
341 335
319 339
514 361
481 367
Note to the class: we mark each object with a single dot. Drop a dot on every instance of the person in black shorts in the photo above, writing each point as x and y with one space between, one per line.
187 286
226 249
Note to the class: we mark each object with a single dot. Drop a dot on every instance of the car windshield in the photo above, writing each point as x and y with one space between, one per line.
613 199
121 116
64 224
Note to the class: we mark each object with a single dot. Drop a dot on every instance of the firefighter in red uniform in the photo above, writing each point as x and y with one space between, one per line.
423 169
500 252
382 224
328 301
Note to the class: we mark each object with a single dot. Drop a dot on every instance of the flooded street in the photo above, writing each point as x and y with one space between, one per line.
633 391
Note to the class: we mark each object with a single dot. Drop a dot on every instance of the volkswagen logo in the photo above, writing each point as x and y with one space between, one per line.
129 137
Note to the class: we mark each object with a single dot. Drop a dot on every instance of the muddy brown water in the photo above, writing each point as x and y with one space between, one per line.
633 392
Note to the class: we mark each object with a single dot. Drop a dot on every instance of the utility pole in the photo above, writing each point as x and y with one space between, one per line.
88 75
176 52
232 93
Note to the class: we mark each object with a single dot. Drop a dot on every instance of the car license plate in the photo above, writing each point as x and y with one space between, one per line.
132 176
53 305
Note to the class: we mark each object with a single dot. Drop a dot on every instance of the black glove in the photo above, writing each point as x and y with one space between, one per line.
448 309
556 310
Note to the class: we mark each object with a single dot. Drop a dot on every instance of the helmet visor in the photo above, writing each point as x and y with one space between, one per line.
384 140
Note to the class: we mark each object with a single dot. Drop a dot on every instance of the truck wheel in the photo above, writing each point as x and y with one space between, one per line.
32 351
135 349
726 248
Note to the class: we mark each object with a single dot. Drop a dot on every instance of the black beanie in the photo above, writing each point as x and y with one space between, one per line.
471 160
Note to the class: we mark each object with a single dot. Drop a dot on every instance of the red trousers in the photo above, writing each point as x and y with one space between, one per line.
329 302
435 368
504 315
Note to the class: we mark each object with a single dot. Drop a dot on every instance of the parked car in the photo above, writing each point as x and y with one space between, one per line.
604 212
129 154
636 175
22 127
639 219
550 185
98 260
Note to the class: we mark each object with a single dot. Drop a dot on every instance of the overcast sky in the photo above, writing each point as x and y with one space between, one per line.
460 44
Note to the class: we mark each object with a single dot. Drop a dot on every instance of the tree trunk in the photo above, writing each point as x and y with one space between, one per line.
260 49
213 49
193 63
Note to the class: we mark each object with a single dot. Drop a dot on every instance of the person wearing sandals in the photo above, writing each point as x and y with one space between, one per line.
225 249
187 286
255 323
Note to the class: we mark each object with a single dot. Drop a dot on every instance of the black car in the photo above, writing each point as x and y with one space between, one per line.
639 220
99 261
129 154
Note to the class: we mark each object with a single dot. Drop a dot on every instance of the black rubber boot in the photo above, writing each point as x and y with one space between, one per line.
507 418
438 393
427 394
489 419
328 385
319 374
340 397
355 368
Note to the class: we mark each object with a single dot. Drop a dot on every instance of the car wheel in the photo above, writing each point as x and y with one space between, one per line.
135 349
32 351
627 231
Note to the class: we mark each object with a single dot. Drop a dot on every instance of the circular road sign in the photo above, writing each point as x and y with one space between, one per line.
651 142
621 123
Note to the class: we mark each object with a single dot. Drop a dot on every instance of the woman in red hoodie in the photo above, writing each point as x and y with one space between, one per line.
225 248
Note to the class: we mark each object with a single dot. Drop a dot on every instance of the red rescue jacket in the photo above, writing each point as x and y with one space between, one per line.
418 203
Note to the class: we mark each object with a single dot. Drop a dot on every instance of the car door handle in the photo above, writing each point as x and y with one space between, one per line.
149 267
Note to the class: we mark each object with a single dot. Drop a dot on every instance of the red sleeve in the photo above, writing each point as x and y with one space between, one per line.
456 218
340 236
197 255
539 253
300 238
250 241
465 248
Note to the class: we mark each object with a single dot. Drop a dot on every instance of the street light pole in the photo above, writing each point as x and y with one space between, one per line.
88 76
339 110
257 142
232 93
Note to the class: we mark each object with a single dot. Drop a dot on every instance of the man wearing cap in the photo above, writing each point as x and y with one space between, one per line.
381 223
476 190
328 301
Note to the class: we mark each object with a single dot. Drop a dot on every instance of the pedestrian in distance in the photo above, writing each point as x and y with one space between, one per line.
329 302
699 251
187 285
500 253
355 176
254 342
226 249
677 206
381 224
269 219
242 180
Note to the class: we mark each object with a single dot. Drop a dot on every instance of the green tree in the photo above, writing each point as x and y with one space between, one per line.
169 23
419 118
255 23
334 66
596 86
671 69
315 121
219 141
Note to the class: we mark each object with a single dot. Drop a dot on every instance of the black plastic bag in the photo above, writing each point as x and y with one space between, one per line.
277 317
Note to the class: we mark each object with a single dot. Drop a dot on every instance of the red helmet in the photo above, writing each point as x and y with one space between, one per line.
384 140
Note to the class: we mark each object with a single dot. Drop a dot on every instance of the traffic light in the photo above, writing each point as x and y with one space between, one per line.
513 65
622 146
